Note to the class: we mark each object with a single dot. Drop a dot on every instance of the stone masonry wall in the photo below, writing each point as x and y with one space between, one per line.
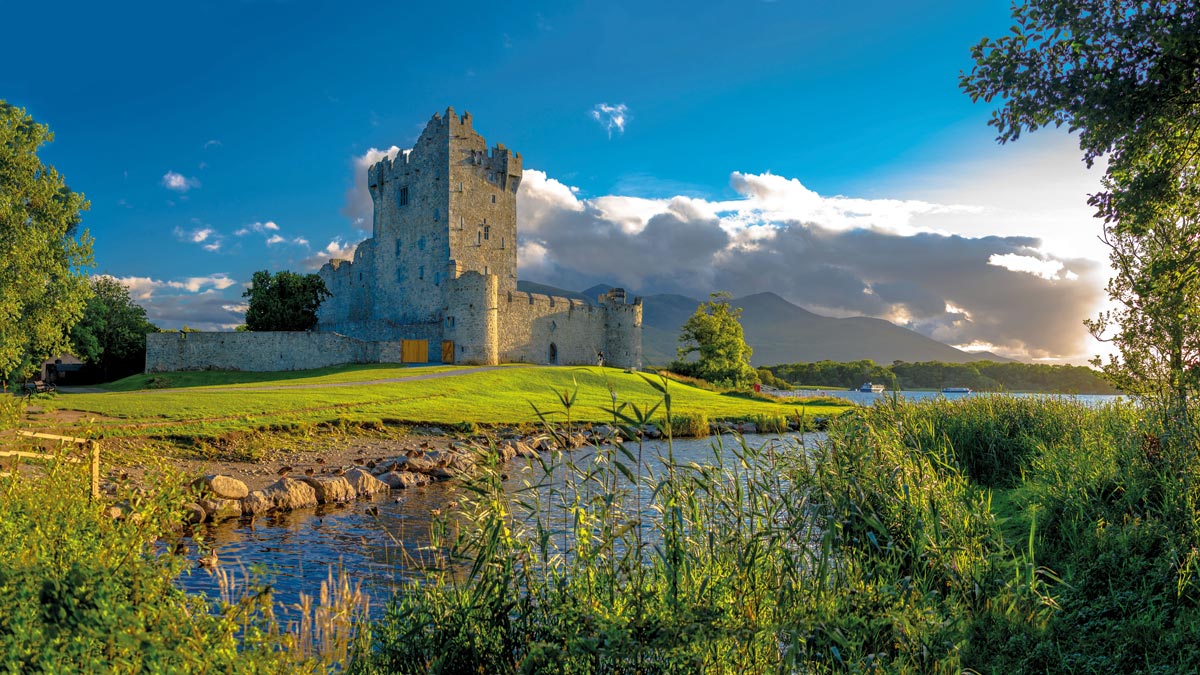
530 323
263 352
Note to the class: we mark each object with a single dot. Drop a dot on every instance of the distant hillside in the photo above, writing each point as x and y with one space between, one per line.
781 332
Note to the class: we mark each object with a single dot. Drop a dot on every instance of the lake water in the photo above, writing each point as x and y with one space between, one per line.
382 550
867 398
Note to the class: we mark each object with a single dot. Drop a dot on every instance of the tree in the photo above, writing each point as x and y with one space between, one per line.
43 287
286 301
112 333
1123 74
714 333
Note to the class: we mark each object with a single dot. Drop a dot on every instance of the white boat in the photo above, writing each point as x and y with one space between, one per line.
868 388
956 390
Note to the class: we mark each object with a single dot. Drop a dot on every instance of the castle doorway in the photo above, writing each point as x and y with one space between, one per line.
447 351
553 356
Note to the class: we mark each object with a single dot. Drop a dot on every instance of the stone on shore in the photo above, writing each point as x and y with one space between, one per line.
331 489
223 487
217 509
364 483
285 494
402 480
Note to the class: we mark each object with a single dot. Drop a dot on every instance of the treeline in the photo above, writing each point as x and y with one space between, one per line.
979 375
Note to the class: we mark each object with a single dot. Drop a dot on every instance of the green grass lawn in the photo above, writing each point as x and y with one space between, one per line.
207 404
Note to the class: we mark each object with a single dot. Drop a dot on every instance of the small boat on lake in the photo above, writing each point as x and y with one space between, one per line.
956 390
868 388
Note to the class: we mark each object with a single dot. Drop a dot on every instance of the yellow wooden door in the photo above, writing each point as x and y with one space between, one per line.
447 351
414 351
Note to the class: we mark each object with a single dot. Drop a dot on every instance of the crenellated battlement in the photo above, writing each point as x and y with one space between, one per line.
443 255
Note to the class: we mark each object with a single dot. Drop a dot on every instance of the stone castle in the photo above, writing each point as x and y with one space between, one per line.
436 282
441 265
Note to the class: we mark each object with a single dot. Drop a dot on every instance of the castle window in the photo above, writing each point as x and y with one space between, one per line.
553 326
421 244
493 199
487 232
421 272
437 214
501 242
460 186
397 247
403 196
478 238
462 222
486 271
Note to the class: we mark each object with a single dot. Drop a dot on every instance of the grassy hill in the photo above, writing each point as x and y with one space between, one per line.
209 404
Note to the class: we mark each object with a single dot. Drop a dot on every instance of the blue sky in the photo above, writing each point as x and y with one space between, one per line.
749 140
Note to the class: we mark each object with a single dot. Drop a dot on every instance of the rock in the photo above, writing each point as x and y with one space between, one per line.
285 494
393 464
401 480
223 487
651 431
544 444
218 509
119 511
332 489
364 483
422 464
748 428
256 503
578 440
604 431
525 450
193 513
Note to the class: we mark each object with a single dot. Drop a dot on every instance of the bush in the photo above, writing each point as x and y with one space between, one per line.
689 425
770 424
81 592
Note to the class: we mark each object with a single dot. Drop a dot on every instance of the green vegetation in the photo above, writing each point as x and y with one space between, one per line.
43 287
285 301
992 534
714 334
978 375
111 335
209 411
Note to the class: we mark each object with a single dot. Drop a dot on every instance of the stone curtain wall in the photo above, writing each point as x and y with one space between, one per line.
260 352
530 323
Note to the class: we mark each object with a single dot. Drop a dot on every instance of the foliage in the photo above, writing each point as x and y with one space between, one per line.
112 332
714 334
81 592
285 301
42 286
1120 72
978 375
880 550
1123 74
1156 323
768 378
689 425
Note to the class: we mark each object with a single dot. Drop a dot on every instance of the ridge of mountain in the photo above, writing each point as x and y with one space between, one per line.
782 332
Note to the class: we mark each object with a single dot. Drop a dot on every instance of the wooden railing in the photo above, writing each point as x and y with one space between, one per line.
93 455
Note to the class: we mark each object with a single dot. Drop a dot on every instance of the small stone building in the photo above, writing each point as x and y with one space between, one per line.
439 273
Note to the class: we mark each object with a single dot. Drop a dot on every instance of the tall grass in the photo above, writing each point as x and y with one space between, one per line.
987 535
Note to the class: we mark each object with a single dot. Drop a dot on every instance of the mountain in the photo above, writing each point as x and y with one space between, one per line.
781 332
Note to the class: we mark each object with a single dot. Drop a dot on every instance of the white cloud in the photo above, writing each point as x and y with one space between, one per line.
1038 267
358 207
335 249
178 182
208 238
259 228
837 255
274 239
611 116
213 143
